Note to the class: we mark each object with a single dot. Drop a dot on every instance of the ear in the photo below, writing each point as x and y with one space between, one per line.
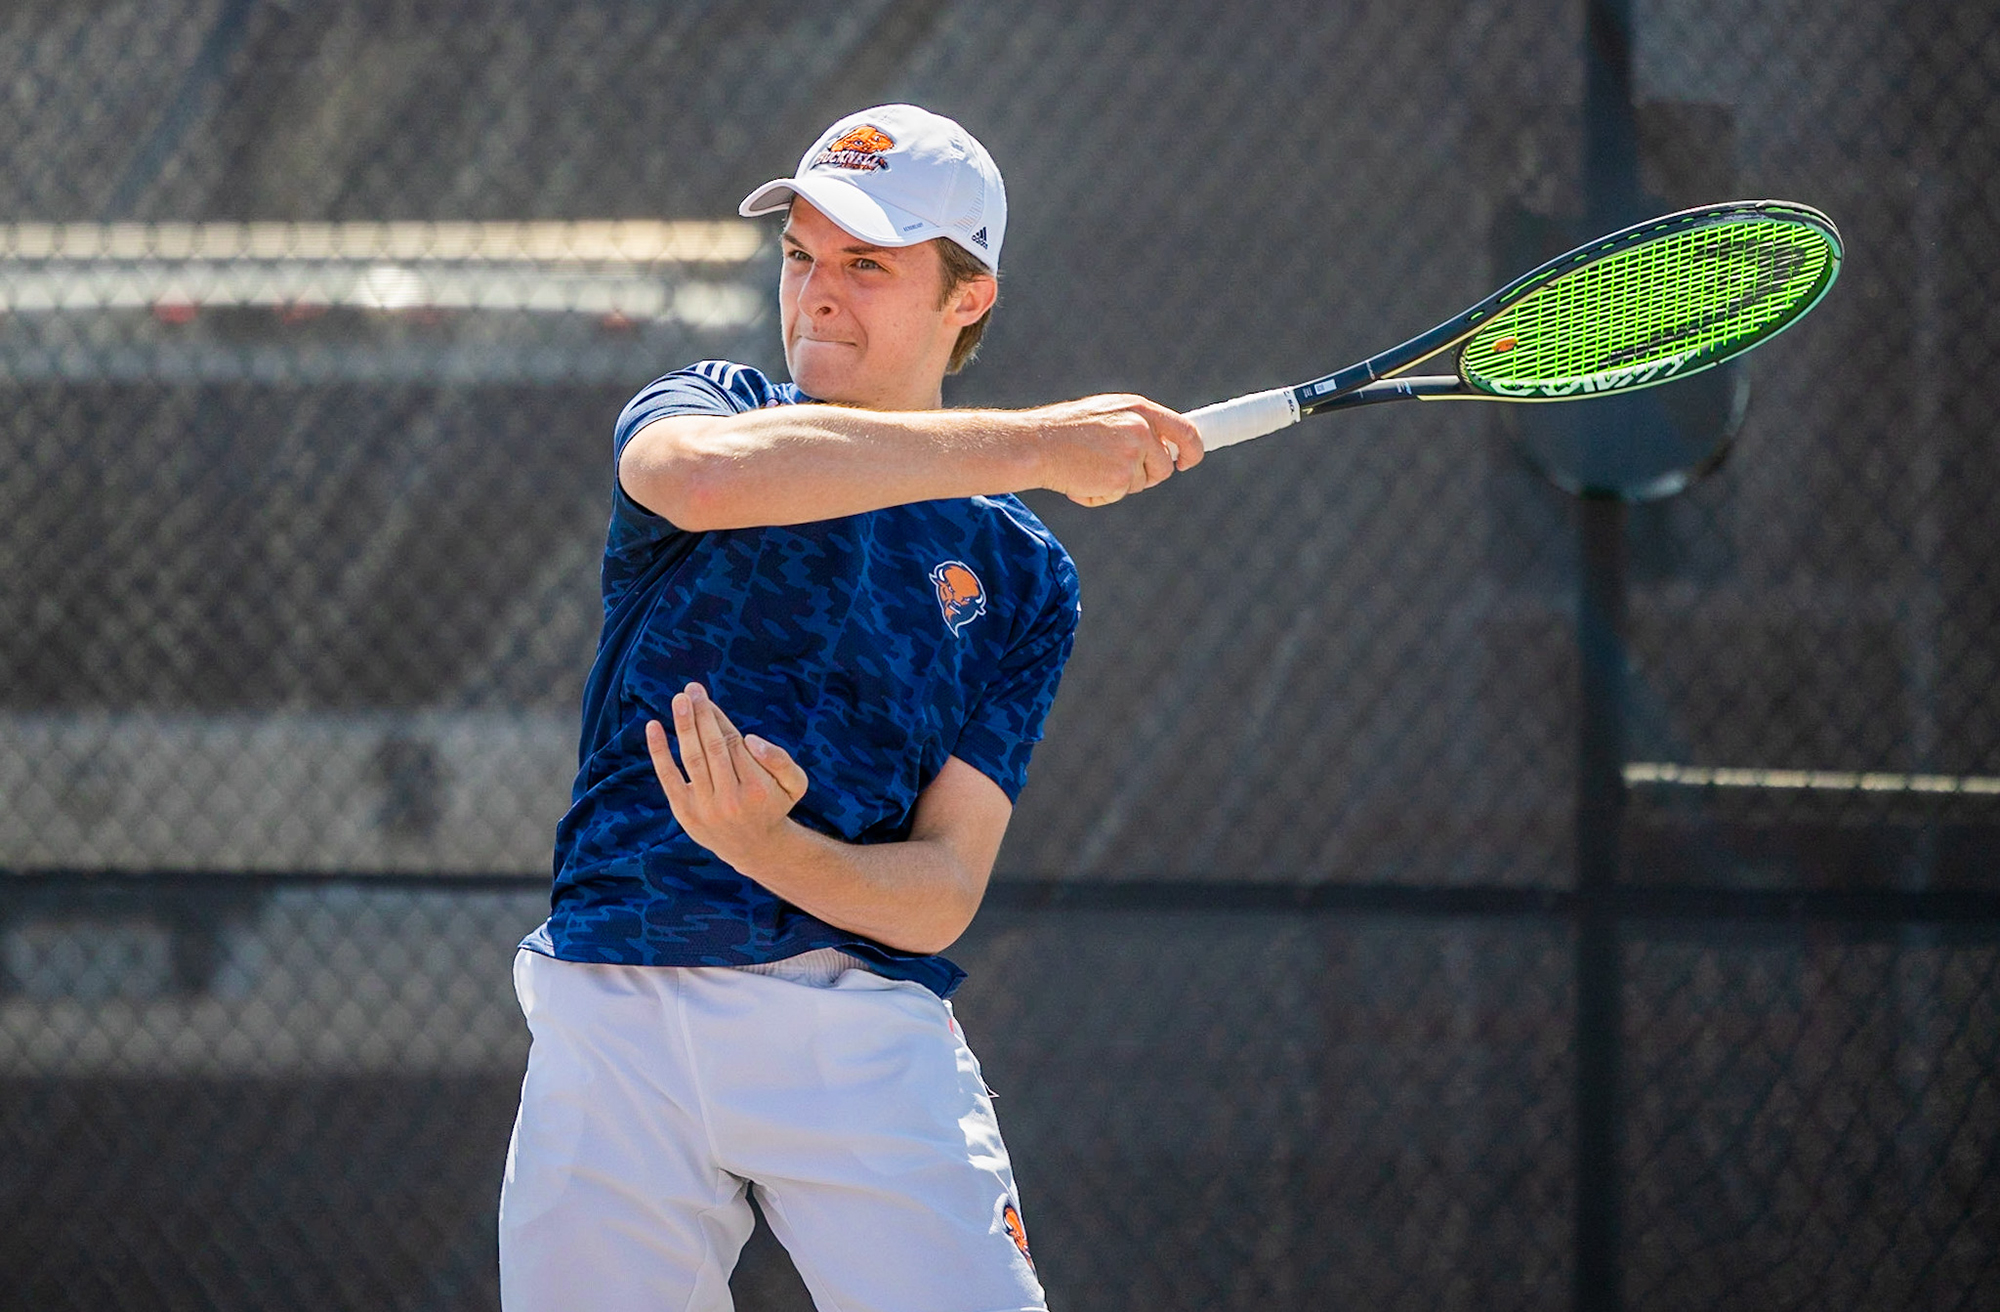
972 300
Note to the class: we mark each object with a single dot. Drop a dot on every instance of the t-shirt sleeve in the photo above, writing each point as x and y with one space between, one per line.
712 387
1007 722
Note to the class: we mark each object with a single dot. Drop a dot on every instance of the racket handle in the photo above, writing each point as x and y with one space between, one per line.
1228 422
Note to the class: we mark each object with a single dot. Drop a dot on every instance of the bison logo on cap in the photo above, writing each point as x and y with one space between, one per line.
961 596
859 148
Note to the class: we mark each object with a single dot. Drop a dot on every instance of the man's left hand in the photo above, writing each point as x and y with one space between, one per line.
730 793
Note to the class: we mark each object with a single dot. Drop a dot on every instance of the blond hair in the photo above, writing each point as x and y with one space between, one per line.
961 266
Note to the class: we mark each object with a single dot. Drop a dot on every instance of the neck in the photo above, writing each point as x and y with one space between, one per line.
927 395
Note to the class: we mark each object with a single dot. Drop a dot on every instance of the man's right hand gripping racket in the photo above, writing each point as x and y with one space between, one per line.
1654 302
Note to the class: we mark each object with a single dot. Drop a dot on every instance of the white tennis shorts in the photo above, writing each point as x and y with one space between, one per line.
657 1097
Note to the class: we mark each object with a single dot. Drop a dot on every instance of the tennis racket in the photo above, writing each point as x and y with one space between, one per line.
1648 304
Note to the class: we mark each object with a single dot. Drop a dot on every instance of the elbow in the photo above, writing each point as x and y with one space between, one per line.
928 929
951 918
929 945
691 489
705 495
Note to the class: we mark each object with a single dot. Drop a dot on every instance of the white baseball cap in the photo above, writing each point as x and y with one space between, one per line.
897 175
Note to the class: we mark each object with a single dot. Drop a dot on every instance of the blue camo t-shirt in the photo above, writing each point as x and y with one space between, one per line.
870 647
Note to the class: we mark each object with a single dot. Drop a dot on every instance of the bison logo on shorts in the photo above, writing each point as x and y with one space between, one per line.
861 148
1017 1232
961 596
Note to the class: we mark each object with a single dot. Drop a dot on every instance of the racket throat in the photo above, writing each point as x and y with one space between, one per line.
1420 387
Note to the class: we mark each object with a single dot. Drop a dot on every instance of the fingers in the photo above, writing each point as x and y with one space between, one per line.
1122 444
1152 459
1178 433
721 764
670 774
719 740
687 732
708 738
731 794
784 771
1177 438
1156 464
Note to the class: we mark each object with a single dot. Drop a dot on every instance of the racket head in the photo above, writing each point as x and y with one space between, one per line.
1652 303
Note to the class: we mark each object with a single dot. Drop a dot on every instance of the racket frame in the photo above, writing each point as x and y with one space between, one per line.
1381 378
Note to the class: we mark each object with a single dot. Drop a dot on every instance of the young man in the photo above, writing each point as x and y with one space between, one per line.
855 632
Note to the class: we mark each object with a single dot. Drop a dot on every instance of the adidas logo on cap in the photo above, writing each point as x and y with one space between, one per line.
980 237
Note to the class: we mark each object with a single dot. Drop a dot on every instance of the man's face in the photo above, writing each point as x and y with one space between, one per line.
862 323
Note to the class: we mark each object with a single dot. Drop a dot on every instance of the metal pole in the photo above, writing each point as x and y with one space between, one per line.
1600 804
1611 185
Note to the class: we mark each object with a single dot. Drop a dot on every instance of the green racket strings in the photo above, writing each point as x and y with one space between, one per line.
1661 309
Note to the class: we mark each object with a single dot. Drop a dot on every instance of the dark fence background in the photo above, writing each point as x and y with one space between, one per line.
1326 965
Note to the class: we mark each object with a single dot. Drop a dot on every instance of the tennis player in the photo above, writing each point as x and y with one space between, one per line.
831 637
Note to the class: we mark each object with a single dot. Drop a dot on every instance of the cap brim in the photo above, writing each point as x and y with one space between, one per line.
854 210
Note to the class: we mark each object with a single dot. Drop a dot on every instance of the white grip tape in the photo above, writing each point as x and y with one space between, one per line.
1228 422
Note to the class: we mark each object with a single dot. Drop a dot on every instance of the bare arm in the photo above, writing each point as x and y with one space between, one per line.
917 895
795 464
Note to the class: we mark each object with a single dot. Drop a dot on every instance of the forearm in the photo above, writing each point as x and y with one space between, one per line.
916 896
796 464
733 795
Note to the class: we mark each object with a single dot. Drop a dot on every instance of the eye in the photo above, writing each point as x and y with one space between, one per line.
863 262
797 256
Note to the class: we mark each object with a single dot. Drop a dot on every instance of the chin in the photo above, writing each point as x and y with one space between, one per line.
821 377
826 381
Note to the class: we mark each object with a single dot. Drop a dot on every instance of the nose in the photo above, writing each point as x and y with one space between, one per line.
815 294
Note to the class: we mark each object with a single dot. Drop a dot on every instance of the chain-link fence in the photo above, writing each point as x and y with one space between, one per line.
313 323
269 1093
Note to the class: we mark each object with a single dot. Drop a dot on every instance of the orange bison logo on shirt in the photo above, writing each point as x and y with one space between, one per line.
861 148
961 596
